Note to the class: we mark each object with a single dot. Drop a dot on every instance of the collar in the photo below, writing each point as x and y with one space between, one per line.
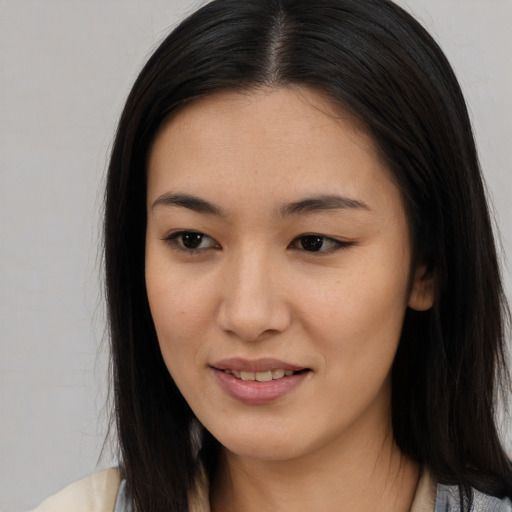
424 498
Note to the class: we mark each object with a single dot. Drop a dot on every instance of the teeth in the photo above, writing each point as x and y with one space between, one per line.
278 374
264 376
267 376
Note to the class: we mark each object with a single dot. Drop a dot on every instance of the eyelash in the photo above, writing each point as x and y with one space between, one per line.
336 245
175 240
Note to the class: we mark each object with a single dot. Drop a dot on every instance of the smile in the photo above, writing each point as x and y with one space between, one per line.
262 386
265 376
258 381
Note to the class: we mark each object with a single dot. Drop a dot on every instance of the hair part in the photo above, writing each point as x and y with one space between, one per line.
376 61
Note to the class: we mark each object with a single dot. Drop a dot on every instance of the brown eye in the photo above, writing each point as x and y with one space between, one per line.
191 240
319 244
312 243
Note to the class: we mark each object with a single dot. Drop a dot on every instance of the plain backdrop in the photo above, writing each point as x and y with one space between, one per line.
65 70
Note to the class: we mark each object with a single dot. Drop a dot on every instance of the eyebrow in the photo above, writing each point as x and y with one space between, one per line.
188 201
321 203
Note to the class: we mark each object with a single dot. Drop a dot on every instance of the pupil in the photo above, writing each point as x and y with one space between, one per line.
312 243
192 240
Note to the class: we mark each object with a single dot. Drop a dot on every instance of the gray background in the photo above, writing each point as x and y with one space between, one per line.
65 70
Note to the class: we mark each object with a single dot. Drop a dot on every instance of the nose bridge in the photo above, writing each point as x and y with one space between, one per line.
252 299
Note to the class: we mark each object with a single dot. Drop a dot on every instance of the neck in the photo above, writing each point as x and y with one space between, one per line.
356 474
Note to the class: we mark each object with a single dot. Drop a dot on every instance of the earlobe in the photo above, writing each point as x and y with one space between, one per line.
421 297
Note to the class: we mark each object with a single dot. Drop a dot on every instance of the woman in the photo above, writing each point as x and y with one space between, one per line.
305 303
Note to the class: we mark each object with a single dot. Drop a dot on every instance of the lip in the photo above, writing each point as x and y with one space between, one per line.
254 365
255 392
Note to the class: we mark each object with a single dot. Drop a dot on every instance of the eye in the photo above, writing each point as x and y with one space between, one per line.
191 241
318 243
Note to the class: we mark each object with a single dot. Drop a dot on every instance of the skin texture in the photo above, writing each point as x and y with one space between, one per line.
250 290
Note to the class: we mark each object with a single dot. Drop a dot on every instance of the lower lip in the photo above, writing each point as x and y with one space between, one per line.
252 392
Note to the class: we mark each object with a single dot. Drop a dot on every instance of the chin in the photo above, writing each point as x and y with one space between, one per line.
262 445
264 452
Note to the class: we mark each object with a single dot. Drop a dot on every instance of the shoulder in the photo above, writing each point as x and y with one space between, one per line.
447 500
96 493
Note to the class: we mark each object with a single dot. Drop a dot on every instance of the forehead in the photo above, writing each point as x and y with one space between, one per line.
279 109
265 143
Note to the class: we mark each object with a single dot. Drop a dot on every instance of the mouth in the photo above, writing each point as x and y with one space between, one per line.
259 370
259 381
263 376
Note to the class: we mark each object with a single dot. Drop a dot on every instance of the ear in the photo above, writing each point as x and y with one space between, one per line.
421 296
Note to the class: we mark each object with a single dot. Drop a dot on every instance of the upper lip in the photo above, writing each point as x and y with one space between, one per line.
254 365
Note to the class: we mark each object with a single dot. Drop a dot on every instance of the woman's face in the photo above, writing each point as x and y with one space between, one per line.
277 243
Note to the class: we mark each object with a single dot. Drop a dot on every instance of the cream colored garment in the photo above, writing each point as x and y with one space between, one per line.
425 497
96 493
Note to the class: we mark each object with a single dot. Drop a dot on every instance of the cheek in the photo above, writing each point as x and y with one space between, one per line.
179 322
181 311
357 318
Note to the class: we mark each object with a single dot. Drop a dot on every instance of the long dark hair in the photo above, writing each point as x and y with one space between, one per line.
378 62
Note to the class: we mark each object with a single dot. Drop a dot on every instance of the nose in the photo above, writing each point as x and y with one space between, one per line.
253 298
